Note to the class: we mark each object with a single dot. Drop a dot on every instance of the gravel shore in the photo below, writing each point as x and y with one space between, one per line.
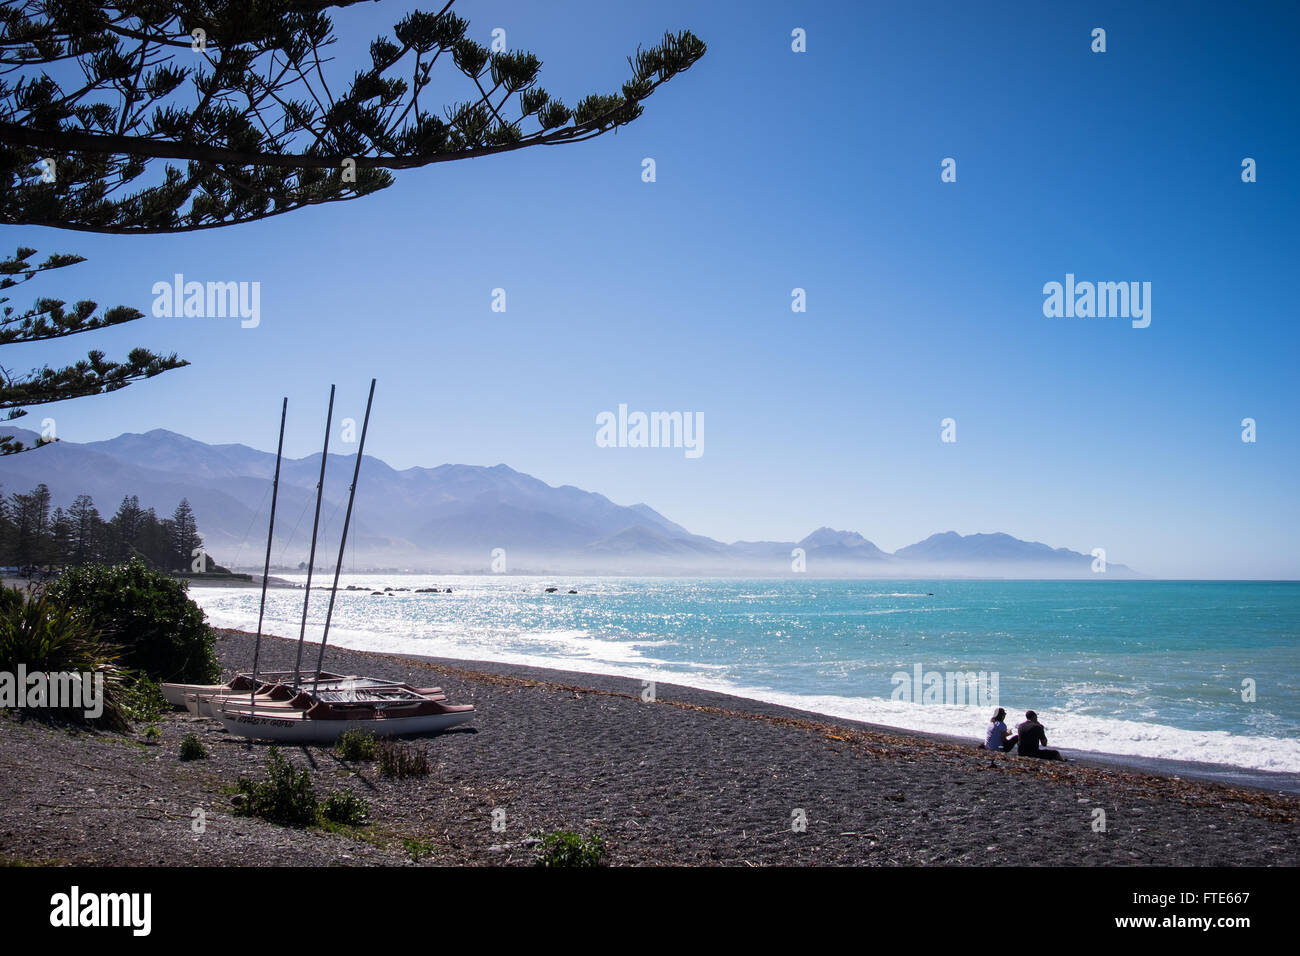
692 778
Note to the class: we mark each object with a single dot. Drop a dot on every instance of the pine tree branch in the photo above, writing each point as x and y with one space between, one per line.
91 376
128 116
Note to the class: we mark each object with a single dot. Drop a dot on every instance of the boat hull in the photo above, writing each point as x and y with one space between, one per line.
201 705
302 730
204 705
176 693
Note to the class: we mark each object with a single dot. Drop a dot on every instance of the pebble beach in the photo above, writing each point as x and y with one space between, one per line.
691 777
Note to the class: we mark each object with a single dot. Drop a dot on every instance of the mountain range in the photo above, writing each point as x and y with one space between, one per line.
453 517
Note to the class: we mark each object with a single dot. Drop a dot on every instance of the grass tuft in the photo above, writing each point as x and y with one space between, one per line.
402 760
356 745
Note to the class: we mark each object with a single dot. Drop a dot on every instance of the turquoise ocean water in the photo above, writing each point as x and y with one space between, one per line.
1148 669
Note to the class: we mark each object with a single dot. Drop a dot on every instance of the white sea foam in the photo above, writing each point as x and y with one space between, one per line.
1065 731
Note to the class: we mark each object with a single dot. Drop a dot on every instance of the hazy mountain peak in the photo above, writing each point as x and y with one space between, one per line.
999 550
824 537
456 516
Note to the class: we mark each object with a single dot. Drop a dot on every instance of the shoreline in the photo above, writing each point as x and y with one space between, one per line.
1176 785
693 778
1280 782
1232 774
1263 780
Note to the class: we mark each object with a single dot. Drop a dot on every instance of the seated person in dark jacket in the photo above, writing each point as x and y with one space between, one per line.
1032 739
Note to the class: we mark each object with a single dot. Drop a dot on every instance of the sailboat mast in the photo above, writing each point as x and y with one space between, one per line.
315 526
347 518
270 533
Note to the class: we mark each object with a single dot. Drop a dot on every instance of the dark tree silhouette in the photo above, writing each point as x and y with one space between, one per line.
41 543
124 529
30 515
185 536
87 535
237 91
50 319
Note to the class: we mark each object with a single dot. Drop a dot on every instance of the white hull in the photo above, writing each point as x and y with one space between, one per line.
176 693
209 704
203 705
301 730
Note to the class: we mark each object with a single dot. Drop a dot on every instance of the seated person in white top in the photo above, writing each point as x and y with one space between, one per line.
996 737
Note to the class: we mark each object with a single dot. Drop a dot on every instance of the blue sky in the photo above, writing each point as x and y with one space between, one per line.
818 170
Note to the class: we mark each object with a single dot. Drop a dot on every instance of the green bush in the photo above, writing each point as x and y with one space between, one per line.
146 700
345 808
192 748
162 632
356 745
400 760
569 849
284 797
152 735
289 798
11 599
43 636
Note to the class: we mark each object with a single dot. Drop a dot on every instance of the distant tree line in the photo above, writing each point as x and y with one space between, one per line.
41 541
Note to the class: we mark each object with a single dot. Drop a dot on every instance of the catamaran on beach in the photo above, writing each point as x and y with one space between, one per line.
317 707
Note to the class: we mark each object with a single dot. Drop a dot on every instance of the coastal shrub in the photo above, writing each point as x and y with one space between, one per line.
356 745
11 598
285 797
192 748
146 700
345 808
43 636
564 848
161 631
288 798
152 735
402 760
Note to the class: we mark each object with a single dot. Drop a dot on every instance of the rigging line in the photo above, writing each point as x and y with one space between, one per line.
315 527
295 529
244 540
338 565
325 531
270 533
